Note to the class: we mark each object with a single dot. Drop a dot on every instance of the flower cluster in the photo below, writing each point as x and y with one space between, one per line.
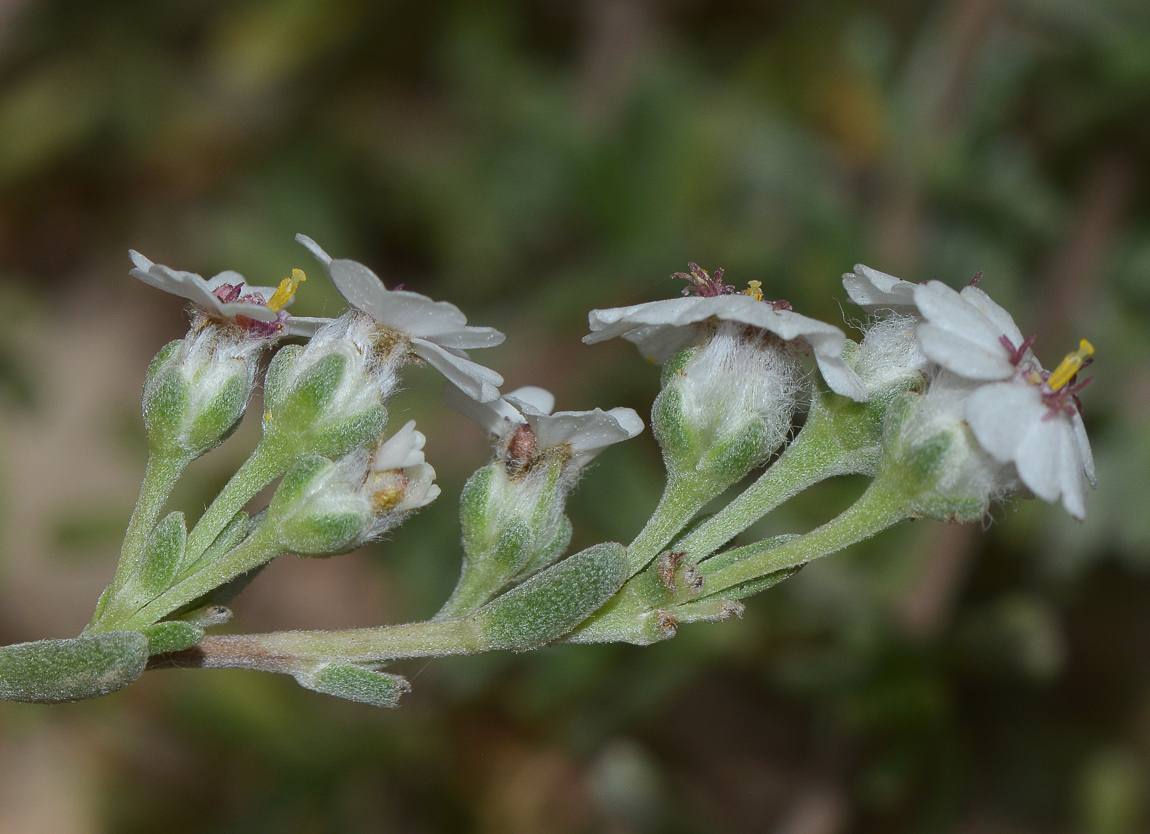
943 405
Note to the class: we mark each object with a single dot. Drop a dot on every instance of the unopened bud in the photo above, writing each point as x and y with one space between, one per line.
323 507
197 389
328 398
726 404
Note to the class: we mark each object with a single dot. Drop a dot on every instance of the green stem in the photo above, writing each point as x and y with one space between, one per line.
881 506
160 476
266 463
473 590
682 499
813 456
287 651
260 547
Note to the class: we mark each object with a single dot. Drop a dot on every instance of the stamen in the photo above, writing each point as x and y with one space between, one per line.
286 290
1070 366
753 290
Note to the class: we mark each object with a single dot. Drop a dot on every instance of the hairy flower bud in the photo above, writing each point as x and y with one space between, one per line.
324 507
942 464
197 389
328 398
726 405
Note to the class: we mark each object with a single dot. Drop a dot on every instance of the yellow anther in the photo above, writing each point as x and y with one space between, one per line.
753 290
1071 365
286 290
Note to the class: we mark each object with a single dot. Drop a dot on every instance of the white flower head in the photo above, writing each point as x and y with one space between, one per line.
1022 414
436 330
526 428
661 328
399 479
225 297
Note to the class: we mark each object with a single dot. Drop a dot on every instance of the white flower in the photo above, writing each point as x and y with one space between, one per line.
583 433
227 297
436 330
873 290
1025 415
399 478
970 470
661 328
1020 413
1017 422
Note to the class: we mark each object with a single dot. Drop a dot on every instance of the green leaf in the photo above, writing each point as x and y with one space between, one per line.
172 636
160 560
54 671
553 602
355 683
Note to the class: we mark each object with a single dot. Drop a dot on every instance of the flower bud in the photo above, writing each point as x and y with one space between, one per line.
316 512
328 398
197 389
726 405
323 507
938 460
513 523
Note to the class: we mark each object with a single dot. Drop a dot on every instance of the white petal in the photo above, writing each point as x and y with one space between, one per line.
403 449
588 432
1001 414
628 419
533 397
873 290
408 312
1082 447
946 309
1002 320
1073 478
495 415
306 325
659 328
1039 458
194 288
472 378
313 247
421 489
965 357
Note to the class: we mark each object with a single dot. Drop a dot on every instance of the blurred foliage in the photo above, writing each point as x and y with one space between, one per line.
531 161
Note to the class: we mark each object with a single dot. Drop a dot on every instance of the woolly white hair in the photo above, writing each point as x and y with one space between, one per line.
743 373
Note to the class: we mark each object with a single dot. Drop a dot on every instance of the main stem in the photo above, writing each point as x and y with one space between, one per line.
286 651
881 506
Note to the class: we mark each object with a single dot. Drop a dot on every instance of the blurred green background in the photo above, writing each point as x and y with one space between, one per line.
530 161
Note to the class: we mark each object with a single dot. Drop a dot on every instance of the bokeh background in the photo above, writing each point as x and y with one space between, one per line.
530 161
